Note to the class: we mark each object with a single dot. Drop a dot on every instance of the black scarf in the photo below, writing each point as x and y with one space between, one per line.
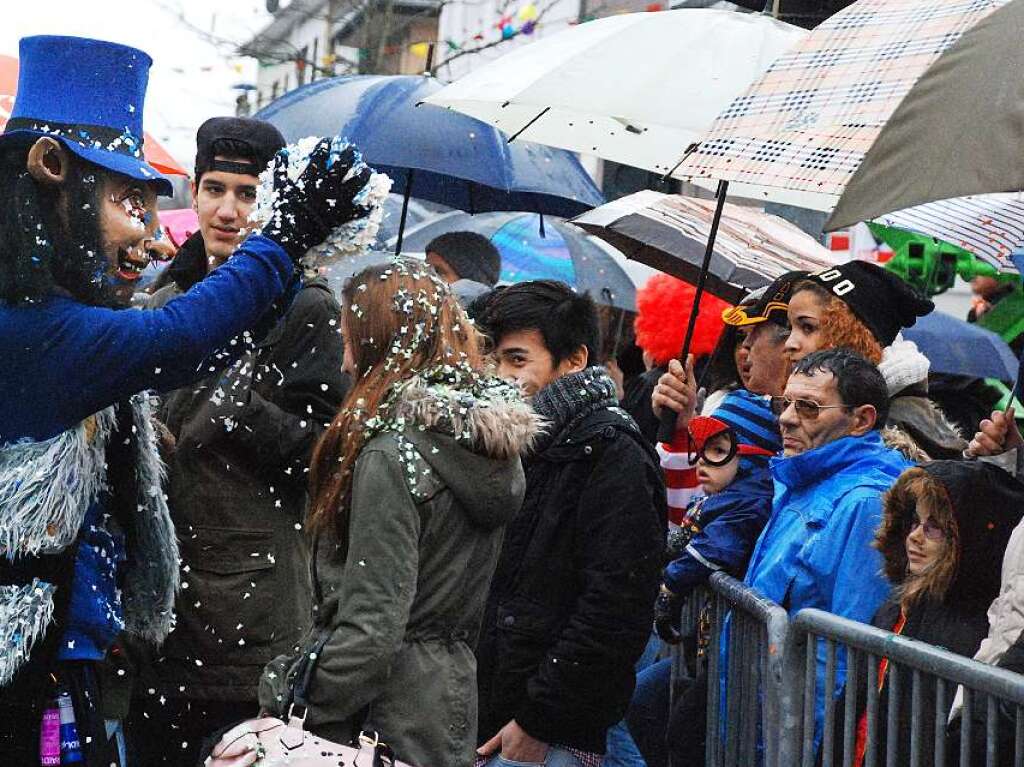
568 400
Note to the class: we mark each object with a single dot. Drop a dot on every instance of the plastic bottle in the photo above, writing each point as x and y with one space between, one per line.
49 735
70 748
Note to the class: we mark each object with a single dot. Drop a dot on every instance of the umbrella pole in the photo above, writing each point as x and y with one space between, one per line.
667 429
405 210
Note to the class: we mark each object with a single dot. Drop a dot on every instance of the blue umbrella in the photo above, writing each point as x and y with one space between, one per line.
530 251
959 348
432 153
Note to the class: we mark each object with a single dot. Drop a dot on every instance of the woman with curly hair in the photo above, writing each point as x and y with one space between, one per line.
944 528
411 487
863 307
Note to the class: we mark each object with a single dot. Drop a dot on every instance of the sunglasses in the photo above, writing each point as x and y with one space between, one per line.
932 531
806 409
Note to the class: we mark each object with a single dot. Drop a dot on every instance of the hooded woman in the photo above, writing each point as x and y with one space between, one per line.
411 487
863 307
944 529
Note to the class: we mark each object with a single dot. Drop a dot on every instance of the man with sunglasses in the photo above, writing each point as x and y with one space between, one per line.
816 549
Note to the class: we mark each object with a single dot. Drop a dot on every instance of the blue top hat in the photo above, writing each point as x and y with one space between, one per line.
89 95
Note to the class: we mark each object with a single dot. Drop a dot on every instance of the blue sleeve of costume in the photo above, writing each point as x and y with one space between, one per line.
725 543
76 359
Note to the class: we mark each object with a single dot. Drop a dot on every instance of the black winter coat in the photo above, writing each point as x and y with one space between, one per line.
236 488
571 603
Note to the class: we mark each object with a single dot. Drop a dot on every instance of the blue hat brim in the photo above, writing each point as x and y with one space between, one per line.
124 164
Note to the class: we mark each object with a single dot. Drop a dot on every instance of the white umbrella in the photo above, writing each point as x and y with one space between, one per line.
991 226
637 88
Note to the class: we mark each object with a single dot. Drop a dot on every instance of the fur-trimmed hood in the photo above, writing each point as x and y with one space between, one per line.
491 418
983 505
472 440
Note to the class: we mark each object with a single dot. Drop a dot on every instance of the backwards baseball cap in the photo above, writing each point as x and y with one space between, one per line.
768 303
257 141
88 95
747 418
881 300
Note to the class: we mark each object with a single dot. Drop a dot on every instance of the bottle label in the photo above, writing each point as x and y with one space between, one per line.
49 738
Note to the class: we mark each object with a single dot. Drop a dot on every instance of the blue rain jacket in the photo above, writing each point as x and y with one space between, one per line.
816 549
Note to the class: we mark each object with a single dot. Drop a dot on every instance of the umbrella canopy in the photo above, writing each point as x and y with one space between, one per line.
635 88
437 155
559 252
155 154
956 133
990 226
798 134
670 233
956 347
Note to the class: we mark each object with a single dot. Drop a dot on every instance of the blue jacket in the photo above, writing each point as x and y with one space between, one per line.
64 360
816 549
727 527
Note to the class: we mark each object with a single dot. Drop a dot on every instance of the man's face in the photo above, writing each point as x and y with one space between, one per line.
127 220
222 201
444 271
766 358
523 357
800 433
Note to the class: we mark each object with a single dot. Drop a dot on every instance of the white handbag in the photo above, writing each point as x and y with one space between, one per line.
270 742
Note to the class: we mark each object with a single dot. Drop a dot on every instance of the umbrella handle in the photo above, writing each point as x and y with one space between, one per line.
667 425
405 211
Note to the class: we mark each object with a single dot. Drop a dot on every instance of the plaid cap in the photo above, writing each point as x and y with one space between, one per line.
769 305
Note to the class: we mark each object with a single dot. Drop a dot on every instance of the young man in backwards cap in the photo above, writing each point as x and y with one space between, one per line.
88 546
237 449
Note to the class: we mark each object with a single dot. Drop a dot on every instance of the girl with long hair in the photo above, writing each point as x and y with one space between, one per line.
411 486
944 529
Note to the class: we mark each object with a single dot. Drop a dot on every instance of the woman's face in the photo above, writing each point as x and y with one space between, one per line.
805 310
925 543
741 356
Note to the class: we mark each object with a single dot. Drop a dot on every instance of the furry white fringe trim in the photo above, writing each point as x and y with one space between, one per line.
25 612
46 487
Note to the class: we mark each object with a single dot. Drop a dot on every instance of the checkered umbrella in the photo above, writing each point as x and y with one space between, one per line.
800 132
990 226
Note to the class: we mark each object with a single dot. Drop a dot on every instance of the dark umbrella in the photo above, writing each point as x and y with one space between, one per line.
671 233
955 347
433 153
556 251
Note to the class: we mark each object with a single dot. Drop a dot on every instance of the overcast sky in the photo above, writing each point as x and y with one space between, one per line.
193 70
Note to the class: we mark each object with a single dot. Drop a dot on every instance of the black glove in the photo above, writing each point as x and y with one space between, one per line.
678 539
321 199
667 609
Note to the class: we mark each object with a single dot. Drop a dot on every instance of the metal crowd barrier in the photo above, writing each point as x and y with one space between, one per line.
988 692
751 704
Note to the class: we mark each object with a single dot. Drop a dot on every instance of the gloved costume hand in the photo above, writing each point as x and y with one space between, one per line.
667 609
322 198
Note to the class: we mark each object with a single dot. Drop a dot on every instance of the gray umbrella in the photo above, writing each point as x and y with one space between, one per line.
957 132
532 250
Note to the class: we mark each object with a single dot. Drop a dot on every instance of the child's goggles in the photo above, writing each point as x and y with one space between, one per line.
717 452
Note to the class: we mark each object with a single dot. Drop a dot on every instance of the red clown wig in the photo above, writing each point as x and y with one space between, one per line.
663 305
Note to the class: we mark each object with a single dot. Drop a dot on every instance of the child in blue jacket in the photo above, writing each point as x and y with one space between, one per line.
718 532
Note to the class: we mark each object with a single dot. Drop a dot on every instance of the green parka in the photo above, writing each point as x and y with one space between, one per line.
397 615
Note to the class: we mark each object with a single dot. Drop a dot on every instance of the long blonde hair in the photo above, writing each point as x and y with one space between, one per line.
399 320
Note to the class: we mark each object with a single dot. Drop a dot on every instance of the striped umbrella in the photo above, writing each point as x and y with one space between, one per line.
800 131
670 232
991 226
